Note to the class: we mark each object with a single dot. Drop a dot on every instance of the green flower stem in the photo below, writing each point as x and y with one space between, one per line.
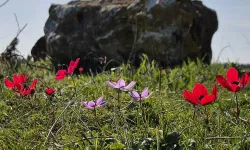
237 106
118 98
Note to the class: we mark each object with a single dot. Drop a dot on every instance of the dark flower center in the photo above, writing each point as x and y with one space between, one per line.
235 82
25 85
201 97
121 87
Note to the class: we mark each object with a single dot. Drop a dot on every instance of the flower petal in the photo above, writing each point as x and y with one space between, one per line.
49 91
121 83
26 92
103 103
91 104
200 90
215 91
135 95
88 105
129 86
248 74
71 69
9 83
112 84
33 84
144 93
235 88
60 74
59 77
232 75
16 79
25 78
85 104
19 88
76 62
208 99
223 82
99 101
190 97
71 64
22 78
244 80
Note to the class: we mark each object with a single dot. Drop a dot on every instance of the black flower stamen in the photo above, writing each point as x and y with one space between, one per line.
235 82
201 97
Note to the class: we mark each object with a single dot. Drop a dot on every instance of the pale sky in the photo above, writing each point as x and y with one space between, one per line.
233 32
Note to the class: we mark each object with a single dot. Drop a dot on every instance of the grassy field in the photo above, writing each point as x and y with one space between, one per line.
165 120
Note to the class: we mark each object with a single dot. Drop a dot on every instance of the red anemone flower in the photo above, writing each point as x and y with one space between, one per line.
81 69
71 68
50 91
29 90
19 85
73 65
16 80
200 95
61 74
232 81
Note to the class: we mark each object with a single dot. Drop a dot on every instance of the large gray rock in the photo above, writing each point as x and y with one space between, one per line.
168 31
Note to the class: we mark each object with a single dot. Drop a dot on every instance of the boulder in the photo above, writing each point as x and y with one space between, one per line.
39 50
168 31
